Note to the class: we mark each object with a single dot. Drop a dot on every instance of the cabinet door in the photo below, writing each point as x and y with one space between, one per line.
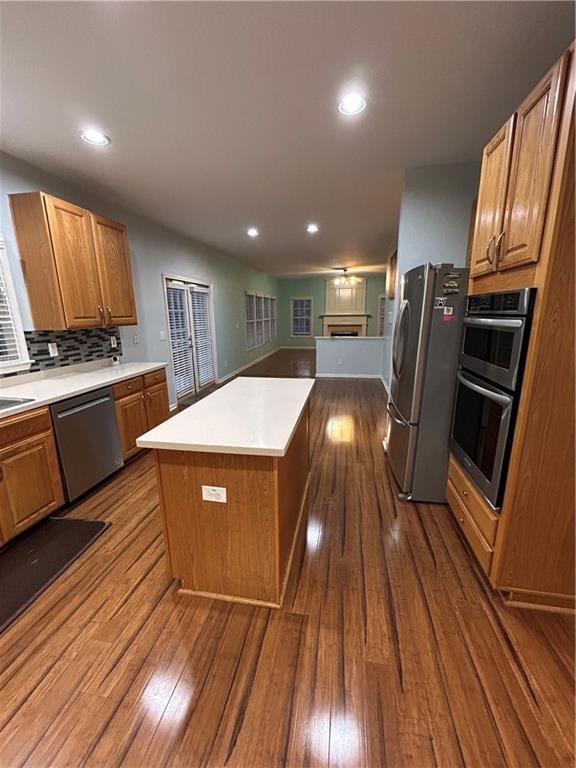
73 245
491 199
131 416
30 484
535 136
114 269
157 408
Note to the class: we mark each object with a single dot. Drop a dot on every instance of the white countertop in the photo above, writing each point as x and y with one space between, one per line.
60 383
254 416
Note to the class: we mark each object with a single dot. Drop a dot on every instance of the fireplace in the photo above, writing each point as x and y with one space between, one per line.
344 330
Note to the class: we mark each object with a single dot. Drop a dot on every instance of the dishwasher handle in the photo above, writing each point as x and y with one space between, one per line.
83 407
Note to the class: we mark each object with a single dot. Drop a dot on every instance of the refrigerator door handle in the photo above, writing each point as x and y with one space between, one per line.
398 365
398 419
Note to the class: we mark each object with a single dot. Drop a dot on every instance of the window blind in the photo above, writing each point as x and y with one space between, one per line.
301 319
13 350
381 315
202 336
180 338
260 319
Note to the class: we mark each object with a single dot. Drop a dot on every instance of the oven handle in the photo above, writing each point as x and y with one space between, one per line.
493 322
498 398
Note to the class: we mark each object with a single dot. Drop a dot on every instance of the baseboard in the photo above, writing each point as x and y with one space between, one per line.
312 348
348 376
385 385
244 367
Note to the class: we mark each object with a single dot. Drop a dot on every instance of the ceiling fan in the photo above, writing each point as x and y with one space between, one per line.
345 279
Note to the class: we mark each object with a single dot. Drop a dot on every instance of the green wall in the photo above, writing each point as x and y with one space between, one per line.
315 287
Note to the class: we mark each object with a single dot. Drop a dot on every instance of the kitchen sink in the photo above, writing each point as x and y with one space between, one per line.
10 402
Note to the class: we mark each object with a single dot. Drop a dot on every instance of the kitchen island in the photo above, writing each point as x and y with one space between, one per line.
233 472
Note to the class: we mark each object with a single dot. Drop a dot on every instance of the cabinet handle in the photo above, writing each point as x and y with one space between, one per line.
109 313
498 246
461 520
490 260
101 311
142 396
464 493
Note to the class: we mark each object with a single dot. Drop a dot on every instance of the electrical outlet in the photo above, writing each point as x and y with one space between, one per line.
113 342
214 493
162 335
53 349
136 339
339 361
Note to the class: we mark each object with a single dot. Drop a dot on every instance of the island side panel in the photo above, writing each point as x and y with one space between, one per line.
293 471
225 550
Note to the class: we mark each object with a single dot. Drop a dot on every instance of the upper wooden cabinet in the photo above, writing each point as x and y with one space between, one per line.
114 269
515 181
76 264
492 199
75 261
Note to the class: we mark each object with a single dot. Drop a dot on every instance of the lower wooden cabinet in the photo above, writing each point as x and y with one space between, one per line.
157 407
131 416
140 406
30 483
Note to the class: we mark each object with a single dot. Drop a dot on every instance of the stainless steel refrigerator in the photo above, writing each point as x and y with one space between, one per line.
425 349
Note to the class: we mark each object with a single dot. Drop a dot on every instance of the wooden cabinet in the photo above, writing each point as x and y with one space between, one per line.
491 199
527 548
30 483
141 404
131 416
515 182
114 271
157 407
76 264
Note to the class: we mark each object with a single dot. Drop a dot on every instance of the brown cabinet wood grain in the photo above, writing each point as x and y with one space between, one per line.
76 264
75 258
132 422
534 146
157 407
517 167
114 271
491 199
30 483
140 407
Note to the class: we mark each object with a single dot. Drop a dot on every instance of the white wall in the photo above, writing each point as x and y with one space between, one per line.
356 357
154 250
434 223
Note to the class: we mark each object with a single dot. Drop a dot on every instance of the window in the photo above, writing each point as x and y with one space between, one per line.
191 342
301 316
260 319
13 349
381 315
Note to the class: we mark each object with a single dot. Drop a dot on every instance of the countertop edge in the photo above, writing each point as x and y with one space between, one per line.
42 402
237 450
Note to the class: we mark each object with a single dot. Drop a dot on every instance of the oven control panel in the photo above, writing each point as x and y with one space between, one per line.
504 303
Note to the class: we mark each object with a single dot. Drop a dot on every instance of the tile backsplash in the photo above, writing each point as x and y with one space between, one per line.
78 346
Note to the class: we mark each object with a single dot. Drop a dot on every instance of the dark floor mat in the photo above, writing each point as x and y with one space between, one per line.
31 562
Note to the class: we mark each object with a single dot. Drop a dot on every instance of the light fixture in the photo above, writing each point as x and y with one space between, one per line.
346 279
312 228
95 137
252 232
352 104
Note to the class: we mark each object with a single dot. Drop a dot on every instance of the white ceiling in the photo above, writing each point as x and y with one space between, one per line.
223 115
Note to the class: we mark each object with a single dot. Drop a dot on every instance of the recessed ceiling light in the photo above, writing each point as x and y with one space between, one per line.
252 232
312 228
352 103
94 137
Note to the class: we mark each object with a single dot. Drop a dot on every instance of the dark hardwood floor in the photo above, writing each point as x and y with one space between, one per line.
391 650
285 363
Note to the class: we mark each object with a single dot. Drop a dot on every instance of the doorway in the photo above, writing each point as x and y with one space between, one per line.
191 334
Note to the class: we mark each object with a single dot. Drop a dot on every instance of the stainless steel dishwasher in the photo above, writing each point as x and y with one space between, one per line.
87 438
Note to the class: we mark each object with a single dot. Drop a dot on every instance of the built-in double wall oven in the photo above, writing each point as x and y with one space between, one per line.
488 382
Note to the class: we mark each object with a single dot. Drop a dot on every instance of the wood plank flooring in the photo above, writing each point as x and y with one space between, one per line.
391 650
